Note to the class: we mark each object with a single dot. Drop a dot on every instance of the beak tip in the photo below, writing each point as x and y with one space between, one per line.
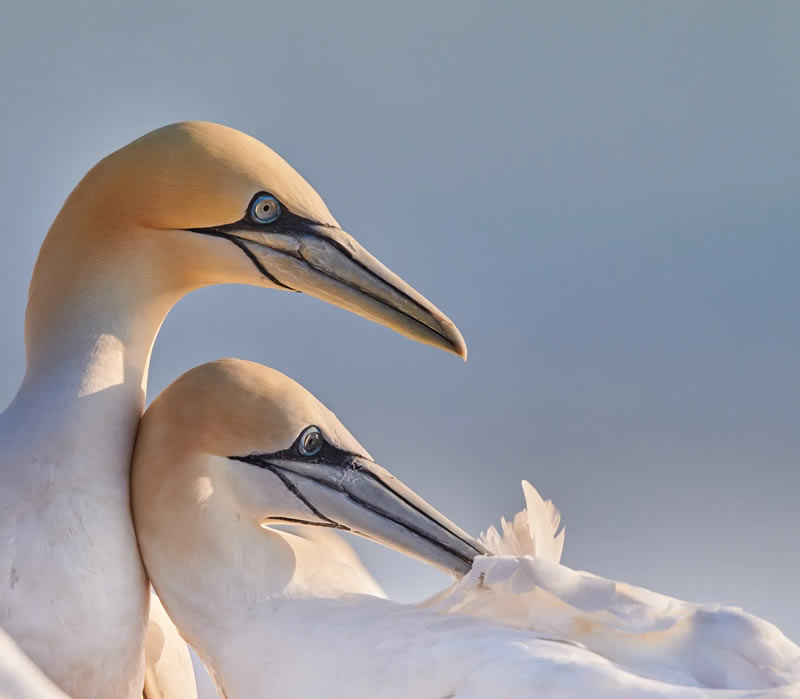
449 338
457 344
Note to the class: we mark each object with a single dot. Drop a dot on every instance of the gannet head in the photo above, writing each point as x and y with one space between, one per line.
208 204
268 450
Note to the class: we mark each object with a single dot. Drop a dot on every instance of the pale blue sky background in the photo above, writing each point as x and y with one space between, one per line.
603 196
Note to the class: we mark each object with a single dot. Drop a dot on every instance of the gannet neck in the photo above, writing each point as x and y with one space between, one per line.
229 584
82 292
95 340
201 544
91 323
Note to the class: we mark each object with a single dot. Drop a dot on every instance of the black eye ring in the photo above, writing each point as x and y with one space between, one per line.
264 209
310 441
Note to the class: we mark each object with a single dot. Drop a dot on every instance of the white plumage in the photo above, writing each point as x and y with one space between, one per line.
681 644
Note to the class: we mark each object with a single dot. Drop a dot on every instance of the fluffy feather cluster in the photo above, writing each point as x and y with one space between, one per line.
532 532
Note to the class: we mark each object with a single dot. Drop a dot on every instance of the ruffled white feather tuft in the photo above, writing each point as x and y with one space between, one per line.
532 532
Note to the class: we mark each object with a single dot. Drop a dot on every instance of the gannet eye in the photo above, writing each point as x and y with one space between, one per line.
265 209
310 441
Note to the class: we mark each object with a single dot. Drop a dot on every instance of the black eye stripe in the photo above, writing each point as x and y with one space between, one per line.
326 453
287 223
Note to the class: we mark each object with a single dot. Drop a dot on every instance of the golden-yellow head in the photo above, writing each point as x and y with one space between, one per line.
195 203
247 443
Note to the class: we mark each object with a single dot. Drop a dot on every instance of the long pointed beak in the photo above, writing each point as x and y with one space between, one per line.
326 262
365 499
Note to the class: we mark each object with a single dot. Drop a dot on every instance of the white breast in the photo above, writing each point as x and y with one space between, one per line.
65 524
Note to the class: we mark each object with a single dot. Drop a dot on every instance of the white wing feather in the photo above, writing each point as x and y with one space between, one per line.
705 645
20 678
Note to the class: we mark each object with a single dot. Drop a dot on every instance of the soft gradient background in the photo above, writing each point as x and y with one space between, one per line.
603 196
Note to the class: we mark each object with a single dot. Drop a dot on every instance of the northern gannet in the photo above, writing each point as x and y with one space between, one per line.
185 206
232 446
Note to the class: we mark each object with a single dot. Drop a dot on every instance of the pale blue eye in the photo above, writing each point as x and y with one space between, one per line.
265 209
310 441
